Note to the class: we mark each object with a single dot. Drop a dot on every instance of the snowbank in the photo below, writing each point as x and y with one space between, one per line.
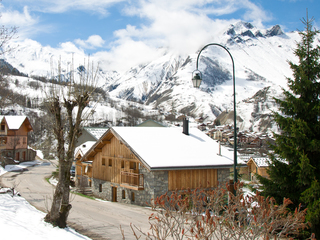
2 171
20 220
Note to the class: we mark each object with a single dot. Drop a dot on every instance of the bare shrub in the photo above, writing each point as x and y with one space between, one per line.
219 214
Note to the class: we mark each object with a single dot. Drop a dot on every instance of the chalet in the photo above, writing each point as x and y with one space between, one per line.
258 165
14 139
243 138
83 169
257 142
202 126
137 164
218 135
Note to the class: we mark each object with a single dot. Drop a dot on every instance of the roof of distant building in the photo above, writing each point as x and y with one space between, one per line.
15 122
96 132
83 148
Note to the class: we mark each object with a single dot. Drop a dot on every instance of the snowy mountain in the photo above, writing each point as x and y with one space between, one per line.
261 68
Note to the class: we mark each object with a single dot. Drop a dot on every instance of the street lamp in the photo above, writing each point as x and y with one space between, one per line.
196 80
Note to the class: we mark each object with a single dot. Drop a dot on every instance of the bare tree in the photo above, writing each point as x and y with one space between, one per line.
6 34
67 107
219 214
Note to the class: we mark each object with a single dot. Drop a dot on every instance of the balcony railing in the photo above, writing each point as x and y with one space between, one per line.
132 180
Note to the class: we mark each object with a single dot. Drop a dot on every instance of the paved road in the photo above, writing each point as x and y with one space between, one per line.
93 218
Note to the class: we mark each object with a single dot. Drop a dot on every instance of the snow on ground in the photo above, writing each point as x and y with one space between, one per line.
20 220
2 171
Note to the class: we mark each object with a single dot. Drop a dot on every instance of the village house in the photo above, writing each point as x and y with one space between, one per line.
258 165
14 139
202 126
83 169
137 164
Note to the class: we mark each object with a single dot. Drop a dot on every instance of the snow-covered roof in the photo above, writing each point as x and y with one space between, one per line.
165 148
261 161
13 122
83 148
96 132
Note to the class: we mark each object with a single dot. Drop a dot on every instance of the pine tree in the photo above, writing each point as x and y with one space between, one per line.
294 171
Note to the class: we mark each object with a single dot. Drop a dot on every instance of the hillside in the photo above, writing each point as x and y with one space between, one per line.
163 86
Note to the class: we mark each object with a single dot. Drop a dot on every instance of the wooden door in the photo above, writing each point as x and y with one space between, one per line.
114 194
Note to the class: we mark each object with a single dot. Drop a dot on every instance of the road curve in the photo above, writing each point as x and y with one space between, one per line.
93 218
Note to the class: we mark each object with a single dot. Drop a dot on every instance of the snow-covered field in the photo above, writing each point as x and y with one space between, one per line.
20 220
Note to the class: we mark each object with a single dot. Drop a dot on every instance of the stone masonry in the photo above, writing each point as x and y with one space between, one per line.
155 184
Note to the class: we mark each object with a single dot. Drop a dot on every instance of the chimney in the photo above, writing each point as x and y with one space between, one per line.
219 149
185 126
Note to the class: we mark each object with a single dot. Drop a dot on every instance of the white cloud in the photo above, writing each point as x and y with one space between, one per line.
16 18
127 54
181 25
255 13
69 47
94 41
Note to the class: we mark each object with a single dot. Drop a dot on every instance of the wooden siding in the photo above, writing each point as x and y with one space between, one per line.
114 158
83 169
183 179
254 169
16 139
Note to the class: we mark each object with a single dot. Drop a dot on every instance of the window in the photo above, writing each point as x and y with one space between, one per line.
123 194
103 161
133 165
24 140
100 187
132 197
110 162
3 127
122 164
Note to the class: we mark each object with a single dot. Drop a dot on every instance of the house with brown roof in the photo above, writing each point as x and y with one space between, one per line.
14 139
137 164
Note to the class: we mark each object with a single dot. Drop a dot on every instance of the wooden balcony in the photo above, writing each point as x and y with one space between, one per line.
132 180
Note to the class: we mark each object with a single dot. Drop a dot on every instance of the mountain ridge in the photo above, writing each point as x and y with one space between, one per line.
260 57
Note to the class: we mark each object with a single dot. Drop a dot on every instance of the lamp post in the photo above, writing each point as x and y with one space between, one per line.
196 80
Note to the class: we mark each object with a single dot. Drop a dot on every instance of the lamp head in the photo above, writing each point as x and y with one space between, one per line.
196 78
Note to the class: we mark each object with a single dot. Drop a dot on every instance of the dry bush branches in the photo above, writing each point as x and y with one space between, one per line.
219 214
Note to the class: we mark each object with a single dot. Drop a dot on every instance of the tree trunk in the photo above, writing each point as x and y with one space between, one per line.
67 130
60 204
60 207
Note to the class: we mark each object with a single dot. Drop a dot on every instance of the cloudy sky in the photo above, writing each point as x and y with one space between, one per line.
127 28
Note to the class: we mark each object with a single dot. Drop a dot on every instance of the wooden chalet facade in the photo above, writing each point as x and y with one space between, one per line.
14 139
257 165
137 164
83 169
